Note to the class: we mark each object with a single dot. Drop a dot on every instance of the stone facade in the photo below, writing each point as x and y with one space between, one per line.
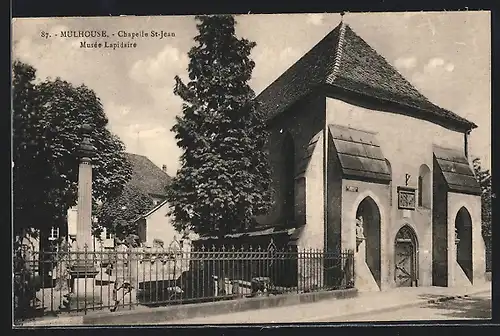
404 172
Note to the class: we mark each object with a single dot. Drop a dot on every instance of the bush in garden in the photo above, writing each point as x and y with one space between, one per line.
26 285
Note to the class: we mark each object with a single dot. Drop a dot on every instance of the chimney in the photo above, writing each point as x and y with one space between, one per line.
164 168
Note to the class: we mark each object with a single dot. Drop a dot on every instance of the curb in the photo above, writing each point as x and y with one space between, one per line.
410 305
179 313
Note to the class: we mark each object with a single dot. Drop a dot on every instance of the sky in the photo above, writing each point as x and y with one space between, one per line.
445 55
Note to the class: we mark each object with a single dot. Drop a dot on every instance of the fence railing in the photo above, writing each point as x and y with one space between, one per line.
79 281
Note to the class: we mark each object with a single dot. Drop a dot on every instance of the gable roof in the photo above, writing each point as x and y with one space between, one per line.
152 211
344 61
147 176
456 171
360 154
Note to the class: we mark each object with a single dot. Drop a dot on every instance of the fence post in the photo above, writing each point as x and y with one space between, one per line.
133 261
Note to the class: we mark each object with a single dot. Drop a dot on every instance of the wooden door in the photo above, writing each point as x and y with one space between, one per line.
405 264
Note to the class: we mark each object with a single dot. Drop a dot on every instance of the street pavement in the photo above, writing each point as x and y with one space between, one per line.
402 304
472 307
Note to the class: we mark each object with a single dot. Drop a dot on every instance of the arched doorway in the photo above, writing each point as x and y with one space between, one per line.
406 257
463 241
368 213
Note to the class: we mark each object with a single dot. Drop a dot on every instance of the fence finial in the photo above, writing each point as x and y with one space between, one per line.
271 245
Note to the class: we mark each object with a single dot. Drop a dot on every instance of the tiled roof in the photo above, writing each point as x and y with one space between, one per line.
309 71
359 154
147 176
153 210
456 171
345 61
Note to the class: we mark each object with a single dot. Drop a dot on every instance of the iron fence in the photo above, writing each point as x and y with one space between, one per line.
81 281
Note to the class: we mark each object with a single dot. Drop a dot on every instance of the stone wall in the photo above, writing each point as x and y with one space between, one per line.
472 204
439 229
353 193
302 122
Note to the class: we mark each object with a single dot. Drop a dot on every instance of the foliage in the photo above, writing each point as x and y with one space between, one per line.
47 118
26 283
120 214
224 179
483 176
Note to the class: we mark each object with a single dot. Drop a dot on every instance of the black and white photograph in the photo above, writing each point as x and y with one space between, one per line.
228 169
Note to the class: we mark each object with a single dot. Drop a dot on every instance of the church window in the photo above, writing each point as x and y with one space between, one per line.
390 183
424 187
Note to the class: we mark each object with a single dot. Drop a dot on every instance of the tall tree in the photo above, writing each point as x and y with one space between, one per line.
483 176
47 117
224 179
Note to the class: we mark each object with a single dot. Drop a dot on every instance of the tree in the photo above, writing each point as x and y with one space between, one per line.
483 176
224 179
120 214
47 117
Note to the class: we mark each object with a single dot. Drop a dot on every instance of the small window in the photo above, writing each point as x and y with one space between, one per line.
420 193
424 187
108 234
54 233
390 183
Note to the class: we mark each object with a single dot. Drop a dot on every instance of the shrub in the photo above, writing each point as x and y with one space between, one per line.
26 285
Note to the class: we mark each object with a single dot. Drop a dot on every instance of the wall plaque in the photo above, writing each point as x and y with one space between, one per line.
351 188
406 198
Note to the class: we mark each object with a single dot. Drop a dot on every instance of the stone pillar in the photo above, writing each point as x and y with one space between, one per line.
83 270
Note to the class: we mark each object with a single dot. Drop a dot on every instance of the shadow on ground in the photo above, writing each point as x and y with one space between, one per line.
475 307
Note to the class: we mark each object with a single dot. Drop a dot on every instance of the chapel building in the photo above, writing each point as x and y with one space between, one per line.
362 161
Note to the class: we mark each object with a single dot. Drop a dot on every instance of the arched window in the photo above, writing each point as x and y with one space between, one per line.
424 187
288 185
390 183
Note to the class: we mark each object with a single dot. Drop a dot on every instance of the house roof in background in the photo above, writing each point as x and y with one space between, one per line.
153 210
147 176
343 60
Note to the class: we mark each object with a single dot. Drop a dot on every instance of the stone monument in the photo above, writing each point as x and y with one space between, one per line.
83 270
360 236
